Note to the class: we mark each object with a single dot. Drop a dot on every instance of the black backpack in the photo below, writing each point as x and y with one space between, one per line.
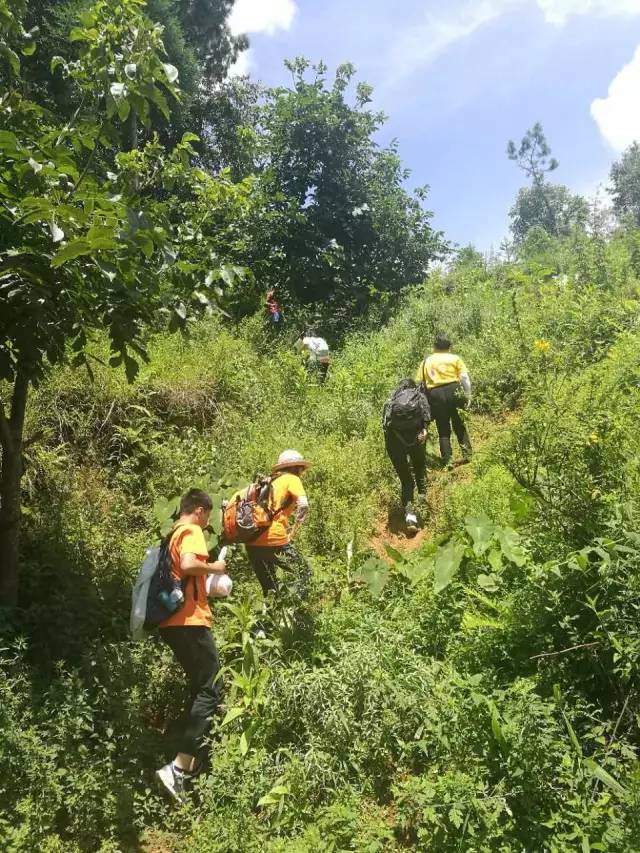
407 410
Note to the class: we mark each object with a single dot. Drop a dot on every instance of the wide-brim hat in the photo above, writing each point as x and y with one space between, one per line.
290 459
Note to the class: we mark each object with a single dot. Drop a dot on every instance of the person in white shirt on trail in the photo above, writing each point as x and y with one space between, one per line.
315 351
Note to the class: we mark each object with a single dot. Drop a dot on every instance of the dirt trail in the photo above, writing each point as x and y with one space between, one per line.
440 484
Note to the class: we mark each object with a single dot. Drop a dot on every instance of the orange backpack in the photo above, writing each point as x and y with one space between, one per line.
250 513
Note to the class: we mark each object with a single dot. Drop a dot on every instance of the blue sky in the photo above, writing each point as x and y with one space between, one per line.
457 80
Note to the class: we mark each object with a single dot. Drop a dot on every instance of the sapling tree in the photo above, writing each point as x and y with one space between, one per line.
92 238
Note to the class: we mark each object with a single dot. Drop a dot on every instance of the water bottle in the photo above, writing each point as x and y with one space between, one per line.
171 600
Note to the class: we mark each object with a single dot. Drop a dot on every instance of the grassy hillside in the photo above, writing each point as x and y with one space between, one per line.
478 693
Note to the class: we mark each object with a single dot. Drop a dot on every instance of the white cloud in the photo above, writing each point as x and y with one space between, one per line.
559 11
425 40
617 115
262 16
242 65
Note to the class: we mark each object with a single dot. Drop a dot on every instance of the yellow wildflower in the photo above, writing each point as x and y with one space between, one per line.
542 345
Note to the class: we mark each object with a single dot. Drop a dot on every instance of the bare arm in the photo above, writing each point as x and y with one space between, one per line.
466 385
194 567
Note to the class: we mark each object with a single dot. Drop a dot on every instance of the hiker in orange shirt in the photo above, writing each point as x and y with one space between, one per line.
188 633
273 549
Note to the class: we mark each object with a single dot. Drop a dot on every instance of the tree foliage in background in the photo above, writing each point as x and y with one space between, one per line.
544 205
625 184
551 206
84 247
342 228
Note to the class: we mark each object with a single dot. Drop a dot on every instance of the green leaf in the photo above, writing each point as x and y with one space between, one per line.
12 58
29 48
494 558
232 714
606 778
395 555
375 573
73 249
274 796
481 529
416 569
448 559
496 728
488 582
244 744
510 544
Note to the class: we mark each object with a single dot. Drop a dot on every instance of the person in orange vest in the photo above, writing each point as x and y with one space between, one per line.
187 632
446 380
274 549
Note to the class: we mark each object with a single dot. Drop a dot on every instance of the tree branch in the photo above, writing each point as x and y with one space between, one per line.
564 651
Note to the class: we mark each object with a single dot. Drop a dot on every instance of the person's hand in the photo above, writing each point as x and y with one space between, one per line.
422 436
218 567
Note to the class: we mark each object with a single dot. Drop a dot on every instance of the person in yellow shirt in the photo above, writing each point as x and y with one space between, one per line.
273 549
446 379
188 634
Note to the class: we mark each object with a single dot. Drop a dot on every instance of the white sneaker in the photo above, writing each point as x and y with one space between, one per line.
411 521
172 780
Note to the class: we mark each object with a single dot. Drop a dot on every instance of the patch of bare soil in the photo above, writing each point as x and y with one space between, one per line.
440 483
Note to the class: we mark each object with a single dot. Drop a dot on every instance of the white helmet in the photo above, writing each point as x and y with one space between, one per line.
290 459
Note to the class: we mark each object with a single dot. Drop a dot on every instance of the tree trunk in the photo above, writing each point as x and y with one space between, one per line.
11 437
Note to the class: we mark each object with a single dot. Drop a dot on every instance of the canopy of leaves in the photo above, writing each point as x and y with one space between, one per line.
550 206
625 184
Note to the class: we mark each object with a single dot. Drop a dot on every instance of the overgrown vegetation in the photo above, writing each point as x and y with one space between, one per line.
477 694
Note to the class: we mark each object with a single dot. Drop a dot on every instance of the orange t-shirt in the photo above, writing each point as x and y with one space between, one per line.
286 489
189 539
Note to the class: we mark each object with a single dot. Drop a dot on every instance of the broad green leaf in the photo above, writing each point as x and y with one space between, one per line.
606 778
274 796
244 744
490 583
481 529
375 573
511 546
8 142
73 249
448 559
232 714
494 558
29 48
416 569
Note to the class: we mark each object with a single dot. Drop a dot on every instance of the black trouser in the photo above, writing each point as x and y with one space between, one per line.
409 460
445 401
266 560
195 650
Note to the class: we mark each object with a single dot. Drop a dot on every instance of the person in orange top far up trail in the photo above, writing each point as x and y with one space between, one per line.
446 380
188 633
273 549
